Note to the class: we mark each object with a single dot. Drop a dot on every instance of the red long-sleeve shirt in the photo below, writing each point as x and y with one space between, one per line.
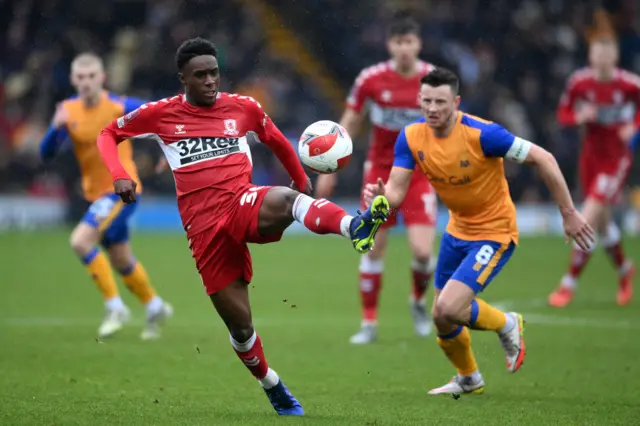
206 148
617 102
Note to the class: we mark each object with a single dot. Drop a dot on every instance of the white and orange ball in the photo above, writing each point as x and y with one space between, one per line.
325 147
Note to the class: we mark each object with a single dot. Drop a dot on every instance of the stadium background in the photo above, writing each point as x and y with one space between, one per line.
299 61
298 58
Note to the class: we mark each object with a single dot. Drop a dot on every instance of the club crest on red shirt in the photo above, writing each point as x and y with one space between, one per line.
230 127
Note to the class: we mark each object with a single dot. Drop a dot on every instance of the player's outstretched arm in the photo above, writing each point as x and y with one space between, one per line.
496 141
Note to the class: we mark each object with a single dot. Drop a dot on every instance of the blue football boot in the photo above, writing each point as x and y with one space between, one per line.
363 227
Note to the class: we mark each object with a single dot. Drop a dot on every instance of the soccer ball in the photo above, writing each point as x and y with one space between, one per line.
325 147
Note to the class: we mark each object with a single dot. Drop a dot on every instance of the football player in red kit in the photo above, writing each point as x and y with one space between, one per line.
388 90
203 136
606 101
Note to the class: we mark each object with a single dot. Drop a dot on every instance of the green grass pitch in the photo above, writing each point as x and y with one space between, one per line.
581 367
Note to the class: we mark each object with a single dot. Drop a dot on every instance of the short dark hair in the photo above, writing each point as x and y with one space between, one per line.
402 24
440 77
194 47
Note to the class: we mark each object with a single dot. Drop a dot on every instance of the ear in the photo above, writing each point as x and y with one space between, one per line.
457 101
181 78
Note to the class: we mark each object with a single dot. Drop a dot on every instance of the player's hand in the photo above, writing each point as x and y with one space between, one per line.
372 190
587 114
308 188
577 228
627 132
162 165
126 189
60 118
325 185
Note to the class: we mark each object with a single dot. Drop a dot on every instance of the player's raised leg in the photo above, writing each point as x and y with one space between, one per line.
84 242
281 206
370 285
232 304
594 212
137 280
612 243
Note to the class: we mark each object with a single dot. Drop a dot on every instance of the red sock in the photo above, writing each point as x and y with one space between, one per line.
370 285
420 283
616 254
252 355
579 260
321 216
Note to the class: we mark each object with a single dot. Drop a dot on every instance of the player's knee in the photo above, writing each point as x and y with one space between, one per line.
242 333
279 201
446 312
289 197
80 244
421 259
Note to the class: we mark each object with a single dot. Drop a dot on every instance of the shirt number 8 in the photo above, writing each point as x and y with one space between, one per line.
484 255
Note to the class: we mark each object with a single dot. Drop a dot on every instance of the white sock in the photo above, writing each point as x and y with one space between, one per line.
246 346
371 266
301 206
569 282
114 304
612 235
270 380
154 305
475 376
511 322
345 224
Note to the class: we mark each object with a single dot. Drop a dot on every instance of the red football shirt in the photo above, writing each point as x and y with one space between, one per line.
392 100
206 148
618 103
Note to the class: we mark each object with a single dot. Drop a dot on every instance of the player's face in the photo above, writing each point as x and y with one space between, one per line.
201 79
438 104
603 55
404 49
87 79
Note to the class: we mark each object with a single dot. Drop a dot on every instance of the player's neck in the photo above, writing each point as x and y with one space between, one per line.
605 74
406 71
195 104
92 100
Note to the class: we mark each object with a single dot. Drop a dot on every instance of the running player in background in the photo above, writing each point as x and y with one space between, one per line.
388 90
80 119
463 156
606 101
203 134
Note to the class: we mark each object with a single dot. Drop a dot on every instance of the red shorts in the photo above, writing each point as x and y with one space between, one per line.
604 180
419 207
221 252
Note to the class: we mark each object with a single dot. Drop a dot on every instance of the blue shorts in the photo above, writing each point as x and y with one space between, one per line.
475 263
111 217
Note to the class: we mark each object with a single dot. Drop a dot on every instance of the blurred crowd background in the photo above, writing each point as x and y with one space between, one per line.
298 58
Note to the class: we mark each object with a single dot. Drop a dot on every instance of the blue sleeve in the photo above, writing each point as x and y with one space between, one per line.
495 140
132 104
403 157
635 140
53 139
